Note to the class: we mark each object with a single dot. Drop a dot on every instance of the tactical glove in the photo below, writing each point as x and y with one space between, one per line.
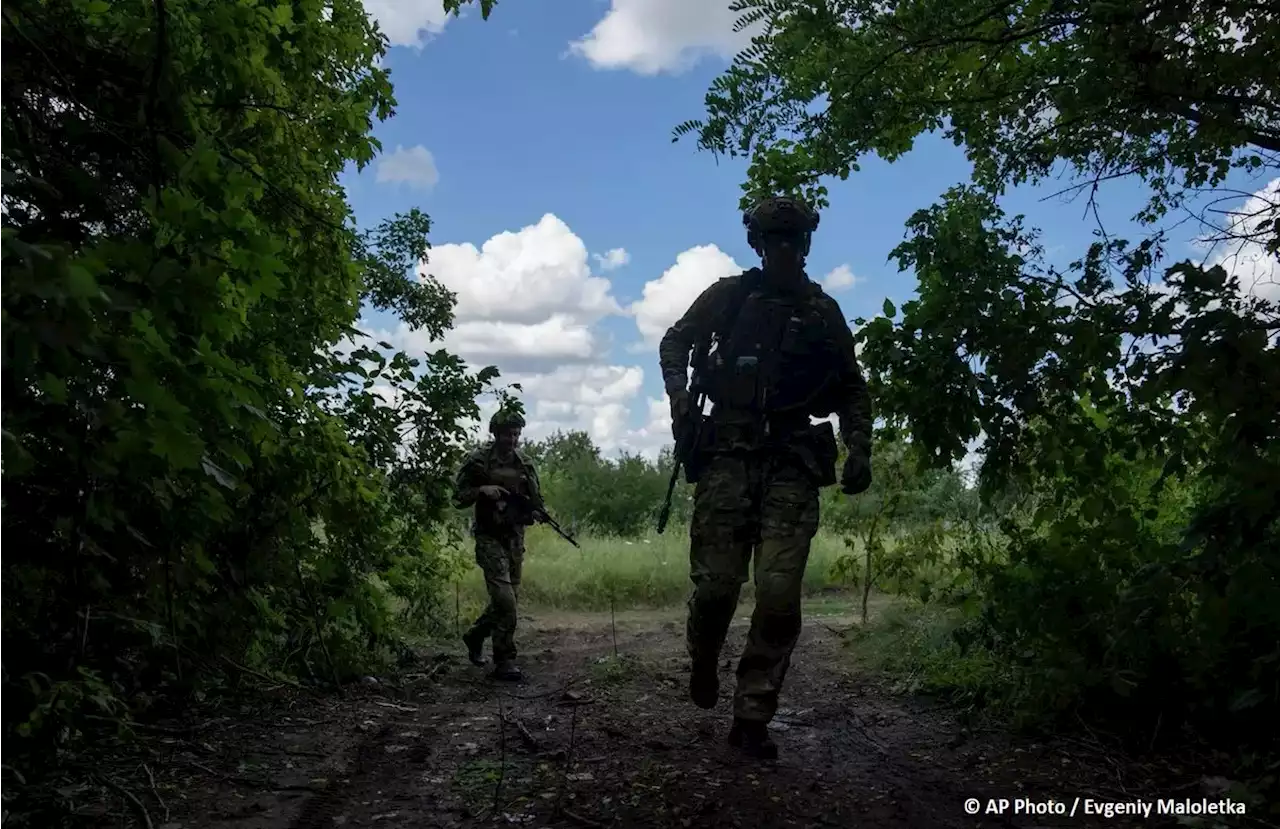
679 411
856 475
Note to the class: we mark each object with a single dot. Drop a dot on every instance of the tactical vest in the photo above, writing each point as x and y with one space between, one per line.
777 360
512 477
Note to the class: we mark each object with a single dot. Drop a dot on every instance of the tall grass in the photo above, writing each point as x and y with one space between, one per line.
650 572
913 644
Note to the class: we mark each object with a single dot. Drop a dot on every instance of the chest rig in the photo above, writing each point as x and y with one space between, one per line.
512 476
773 361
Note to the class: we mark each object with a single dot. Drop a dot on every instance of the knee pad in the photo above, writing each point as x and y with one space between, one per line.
779 593
716 588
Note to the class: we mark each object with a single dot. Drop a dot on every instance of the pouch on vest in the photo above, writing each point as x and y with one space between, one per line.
743 376
696 457
501 517
739 374
818 452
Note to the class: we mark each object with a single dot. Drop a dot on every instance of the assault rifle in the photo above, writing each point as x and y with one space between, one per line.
689 435
537 513
686 445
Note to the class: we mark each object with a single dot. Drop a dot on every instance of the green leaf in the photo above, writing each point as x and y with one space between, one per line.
1248 698
181 448
889 309
55 387
216 472
81 283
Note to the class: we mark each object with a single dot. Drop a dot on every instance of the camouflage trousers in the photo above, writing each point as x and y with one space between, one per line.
746 506
501 558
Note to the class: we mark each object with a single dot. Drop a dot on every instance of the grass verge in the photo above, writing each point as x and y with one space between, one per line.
912 645
651 572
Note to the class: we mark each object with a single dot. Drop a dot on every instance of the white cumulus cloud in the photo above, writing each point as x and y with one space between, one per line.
666 298
1242 253
841 278
414 166
653 36
612 259
523 346
528 303
650 438
524 276
408 22
598 400
584 387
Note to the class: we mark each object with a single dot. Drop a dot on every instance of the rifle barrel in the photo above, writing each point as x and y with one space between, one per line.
541 515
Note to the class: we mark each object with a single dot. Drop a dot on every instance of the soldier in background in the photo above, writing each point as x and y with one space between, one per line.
487 479
770 350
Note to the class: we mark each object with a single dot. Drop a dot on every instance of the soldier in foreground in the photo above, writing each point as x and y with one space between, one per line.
770 349
498 480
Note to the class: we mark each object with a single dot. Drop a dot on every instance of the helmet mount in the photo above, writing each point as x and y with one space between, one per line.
503 420
781 218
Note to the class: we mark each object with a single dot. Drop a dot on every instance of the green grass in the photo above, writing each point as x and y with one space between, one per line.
906 641
911 643
615 670
652 572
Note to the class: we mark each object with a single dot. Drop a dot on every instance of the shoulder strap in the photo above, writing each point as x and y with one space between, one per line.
729 314
725 319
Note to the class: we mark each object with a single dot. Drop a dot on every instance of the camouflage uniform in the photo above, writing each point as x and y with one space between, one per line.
780 359
499 534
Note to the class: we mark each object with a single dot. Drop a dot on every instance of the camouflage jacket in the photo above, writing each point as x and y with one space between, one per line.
814 325
484 467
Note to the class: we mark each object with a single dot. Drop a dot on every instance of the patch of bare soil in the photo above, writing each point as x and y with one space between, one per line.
593 740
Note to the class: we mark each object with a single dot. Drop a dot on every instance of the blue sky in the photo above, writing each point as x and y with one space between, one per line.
549 127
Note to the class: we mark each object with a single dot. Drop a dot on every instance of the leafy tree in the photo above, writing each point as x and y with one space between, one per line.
894 530
1134 570
199 475
919 493
561 450
1166 90
615 497
893 469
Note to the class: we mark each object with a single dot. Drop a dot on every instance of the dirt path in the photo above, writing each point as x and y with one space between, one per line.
590 740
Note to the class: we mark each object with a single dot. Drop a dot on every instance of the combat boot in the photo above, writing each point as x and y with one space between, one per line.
475 648
507 672
752 737
704 685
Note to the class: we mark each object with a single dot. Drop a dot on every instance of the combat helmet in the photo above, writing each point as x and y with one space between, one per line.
505 419
780 215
